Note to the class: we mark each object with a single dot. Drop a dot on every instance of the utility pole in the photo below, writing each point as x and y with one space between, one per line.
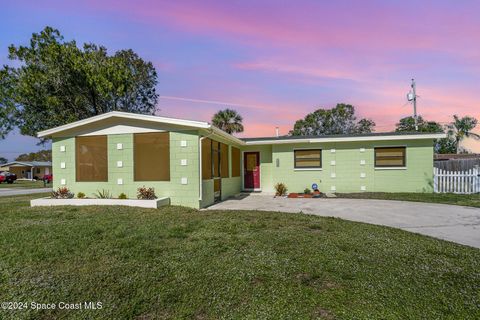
412 96
414 104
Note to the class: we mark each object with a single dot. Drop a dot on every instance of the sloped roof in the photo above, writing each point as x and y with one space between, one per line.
29 163
209 128
141 117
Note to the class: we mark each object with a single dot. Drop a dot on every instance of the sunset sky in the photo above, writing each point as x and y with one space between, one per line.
276 61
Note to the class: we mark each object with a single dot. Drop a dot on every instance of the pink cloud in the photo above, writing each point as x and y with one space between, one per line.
309 71
368 26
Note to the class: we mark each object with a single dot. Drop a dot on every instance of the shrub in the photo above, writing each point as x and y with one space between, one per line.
307 191
80 195
144 193
122 196
280 189
104 194
62 193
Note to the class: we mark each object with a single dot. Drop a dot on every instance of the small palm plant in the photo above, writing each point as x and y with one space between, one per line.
228 120
280 189
103 194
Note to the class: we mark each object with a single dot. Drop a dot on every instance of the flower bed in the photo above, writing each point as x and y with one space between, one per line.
48 201
306 195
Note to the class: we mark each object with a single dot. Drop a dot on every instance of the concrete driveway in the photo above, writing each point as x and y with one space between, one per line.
453 223
19 191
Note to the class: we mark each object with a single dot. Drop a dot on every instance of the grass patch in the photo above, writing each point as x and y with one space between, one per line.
24 184
181 263
470 200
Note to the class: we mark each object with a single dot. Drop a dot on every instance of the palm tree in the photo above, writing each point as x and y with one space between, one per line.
228 120
461 128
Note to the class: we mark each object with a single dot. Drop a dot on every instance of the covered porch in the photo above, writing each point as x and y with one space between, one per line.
30 170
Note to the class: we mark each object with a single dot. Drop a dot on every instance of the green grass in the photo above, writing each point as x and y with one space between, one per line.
24 184
470 200
182 263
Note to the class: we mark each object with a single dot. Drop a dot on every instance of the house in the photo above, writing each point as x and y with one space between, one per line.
29 169
195 164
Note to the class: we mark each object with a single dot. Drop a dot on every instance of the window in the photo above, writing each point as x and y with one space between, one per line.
151 154
224 160
206 159
390 157
37 170
91 158
235 162
215 159
308 158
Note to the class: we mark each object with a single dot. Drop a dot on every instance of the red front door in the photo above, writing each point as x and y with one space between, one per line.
251 166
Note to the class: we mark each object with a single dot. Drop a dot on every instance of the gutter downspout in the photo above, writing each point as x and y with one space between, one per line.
200 196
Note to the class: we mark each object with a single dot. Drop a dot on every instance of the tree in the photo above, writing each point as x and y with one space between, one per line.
42 155
7 104
228 120
58 82
3 160
408 124
444 145
338 120
461 128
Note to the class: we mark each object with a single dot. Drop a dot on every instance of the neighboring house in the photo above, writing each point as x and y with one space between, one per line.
29 169
196 164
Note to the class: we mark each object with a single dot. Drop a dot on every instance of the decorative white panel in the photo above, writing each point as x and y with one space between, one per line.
121 129
362 149
363 175
119 146
119 181
332 163
362 162
333 188
63 182
62 148
184 181
119 164
183 143
363 188
333 175
183 162
62 165
332 150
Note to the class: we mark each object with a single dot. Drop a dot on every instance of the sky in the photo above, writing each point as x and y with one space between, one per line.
276 61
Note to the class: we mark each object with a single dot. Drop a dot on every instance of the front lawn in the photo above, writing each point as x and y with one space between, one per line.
182 263
25 184
470 200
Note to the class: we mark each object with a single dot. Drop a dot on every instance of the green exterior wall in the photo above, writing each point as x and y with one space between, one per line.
347 167
276 165
180 194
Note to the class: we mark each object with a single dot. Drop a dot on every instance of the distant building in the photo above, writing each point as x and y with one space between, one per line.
29 169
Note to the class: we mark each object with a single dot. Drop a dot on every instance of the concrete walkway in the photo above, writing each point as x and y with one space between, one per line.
448 222
19 191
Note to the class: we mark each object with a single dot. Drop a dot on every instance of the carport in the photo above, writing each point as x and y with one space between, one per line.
28 170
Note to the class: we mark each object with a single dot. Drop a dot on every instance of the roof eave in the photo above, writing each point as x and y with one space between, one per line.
226 136
351 139
124 115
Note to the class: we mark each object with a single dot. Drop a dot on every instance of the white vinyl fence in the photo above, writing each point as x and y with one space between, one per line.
465 182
